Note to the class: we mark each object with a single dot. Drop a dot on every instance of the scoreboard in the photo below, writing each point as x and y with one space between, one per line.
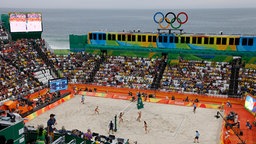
25 22
58 84
250 103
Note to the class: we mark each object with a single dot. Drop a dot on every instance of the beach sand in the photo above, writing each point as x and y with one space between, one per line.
167 124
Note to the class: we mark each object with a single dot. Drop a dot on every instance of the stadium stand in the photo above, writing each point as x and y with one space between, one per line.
27 65
202 77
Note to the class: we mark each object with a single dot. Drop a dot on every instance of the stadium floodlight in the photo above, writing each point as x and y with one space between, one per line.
218 115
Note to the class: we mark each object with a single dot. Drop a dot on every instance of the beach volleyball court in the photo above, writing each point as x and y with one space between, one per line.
166 123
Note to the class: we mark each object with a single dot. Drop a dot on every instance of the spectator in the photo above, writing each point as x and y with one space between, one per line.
41 135
229 104
51 127
63 130
248 125
88 135
186 99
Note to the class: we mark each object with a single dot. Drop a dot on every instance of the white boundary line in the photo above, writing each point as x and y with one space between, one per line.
178 128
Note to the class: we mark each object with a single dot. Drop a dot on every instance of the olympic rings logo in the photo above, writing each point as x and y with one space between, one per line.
170 22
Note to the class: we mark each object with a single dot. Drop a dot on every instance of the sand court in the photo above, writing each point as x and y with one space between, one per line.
166 123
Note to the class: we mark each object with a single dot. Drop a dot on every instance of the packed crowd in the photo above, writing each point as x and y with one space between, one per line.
203 77
9 78
3 33
129 72
24 55
24 70
247 81
19 61
76 67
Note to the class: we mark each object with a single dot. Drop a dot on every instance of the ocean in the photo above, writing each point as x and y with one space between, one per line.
59 23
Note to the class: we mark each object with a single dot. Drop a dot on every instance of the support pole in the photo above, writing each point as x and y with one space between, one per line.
115 129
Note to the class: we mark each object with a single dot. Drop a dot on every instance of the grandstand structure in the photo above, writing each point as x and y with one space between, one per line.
119 62
194 51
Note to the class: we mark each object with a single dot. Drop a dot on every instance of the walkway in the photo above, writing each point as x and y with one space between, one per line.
249 136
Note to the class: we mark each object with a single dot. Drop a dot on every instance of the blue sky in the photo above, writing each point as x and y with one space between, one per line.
128 4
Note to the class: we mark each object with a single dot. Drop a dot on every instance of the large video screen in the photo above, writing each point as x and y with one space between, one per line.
25 22
250 103
58 84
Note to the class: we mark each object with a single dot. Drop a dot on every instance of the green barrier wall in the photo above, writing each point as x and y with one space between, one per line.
28 35
77 42
5 21
13 131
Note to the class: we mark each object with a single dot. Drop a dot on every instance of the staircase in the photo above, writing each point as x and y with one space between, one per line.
44 57
97 66
156 81
233 85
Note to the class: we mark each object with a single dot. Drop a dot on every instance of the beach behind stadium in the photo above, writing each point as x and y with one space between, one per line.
166 123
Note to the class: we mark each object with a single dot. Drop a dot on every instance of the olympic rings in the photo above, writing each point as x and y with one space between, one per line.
173 19
168 21
162 27
178 19
161 20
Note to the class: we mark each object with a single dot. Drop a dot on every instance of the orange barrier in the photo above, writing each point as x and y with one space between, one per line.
14 105
10 105
153 100
37 94
48 107
157 94
24 109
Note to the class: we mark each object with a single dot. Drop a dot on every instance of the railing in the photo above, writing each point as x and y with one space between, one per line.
73 141
60 140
